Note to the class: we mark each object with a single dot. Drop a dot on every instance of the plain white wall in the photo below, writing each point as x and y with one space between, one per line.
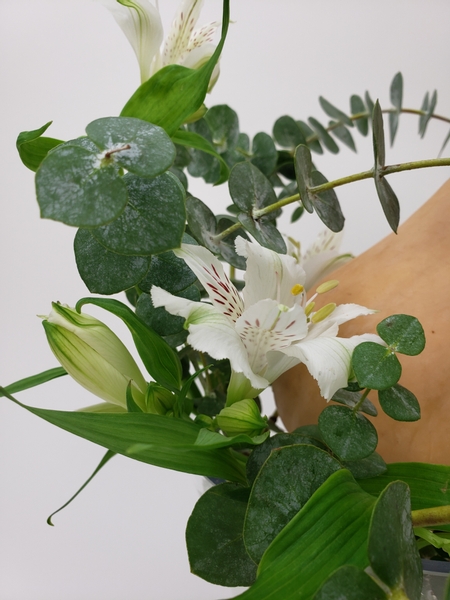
66 60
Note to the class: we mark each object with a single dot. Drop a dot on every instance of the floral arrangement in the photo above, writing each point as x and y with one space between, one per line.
219 306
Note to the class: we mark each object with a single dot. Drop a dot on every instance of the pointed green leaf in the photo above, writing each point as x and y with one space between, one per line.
357 107
350 435
174 93
396 91
34 380
370 103
350 583
214 537
445 143
103 271
403 333
314 145
303 172
427 106
160 360
343 134
264 232
33 148
399 403
393 126
389 202
323 134
378 137
190 139
334 112
375 366
326 204
351 399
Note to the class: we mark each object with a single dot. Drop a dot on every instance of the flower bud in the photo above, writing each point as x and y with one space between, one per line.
158 400
242 417
93 355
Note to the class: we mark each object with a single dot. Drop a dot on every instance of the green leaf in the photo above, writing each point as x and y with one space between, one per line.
190 139
224 125
375 366
140 147
153 220
378 137
389 201
161 439
396 93
287 133
264 232
264 153
399 403
350 583
349 435
103 271
343 134
33 148
328 532
214 537
326 204
392 547
351 399
132 407
249 188
203 164
160 360
371 466
427 106
323 134
73 188
334 112
370 103
101 464
357 107
174 93
286 481
169 272
211 439
313 145
444 144
303 172
33 381
403 334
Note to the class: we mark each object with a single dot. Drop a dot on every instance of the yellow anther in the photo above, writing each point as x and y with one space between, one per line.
297 289
323 312
309 308
327 286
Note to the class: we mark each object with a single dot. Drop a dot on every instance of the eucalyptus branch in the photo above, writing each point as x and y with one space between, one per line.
429 517
361 400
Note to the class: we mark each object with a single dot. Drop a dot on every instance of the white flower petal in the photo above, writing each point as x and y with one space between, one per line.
341 314
179 36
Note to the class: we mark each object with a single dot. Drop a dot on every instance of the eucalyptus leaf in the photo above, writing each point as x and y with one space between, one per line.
326 204
214 537
303 172
191 139
399 403
224 125
357 107
33 148
343 134
313 144
169 272
323 134
287 133
334 112
375 366
378 137
389 202
249 188
286 481
349 435
204 164
403 333
103 271
396 91
428 106
368 467
351 399
264 232
264 153
370 103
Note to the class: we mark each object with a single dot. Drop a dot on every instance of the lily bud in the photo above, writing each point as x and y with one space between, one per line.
158 400
242 417
93 355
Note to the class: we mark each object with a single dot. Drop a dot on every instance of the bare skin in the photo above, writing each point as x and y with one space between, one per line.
406 273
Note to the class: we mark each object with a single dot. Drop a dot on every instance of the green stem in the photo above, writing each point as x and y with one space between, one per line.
429 517
361 400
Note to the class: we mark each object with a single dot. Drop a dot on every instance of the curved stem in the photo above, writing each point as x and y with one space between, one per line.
428 517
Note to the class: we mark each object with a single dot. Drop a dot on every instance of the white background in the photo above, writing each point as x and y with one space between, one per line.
66 60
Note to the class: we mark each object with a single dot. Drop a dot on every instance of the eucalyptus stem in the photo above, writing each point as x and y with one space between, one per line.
361 400
429 517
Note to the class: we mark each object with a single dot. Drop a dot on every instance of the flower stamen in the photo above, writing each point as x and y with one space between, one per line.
297 289
323 312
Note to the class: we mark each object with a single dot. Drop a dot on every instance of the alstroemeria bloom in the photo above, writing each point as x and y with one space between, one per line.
141 22
268 330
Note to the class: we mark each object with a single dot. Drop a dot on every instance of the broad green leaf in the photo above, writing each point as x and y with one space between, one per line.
203 164
33 148
169 272
159 319
264 232
101 464
428 106
264 153
72 187
214 537
371 466
153 220
375 366
313 144
303 172
160 360
211 439
103 271
392 549
174 93
349 435
328 532
261 453
357 107
190 139
160 437
334 112
351 399
249 188
350 583
399 403
403 333
286 481
326 204
287 133
389 202
323 134
224 125
343 134
33 381
140 147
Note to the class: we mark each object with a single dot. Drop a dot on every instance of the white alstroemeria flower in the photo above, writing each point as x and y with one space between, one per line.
268 330
141 22
321 258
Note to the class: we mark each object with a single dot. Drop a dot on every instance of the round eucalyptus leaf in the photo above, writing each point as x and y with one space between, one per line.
168 272
138 146
351 399
392 548
202 222
372 466
375 366
71 187
287 133
264 232
214 537
349 435
350 583
249 188
286 481
326 204
106 272
224 126
399 403
153 220
264 153
403 333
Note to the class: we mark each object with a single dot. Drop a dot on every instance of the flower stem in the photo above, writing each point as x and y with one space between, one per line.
427 517
361 400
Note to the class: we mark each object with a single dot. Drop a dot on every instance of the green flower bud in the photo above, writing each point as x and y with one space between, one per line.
158 400
93 355
241 417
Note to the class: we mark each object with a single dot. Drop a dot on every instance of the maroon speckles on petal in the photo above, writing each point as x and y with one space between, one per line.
257 323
